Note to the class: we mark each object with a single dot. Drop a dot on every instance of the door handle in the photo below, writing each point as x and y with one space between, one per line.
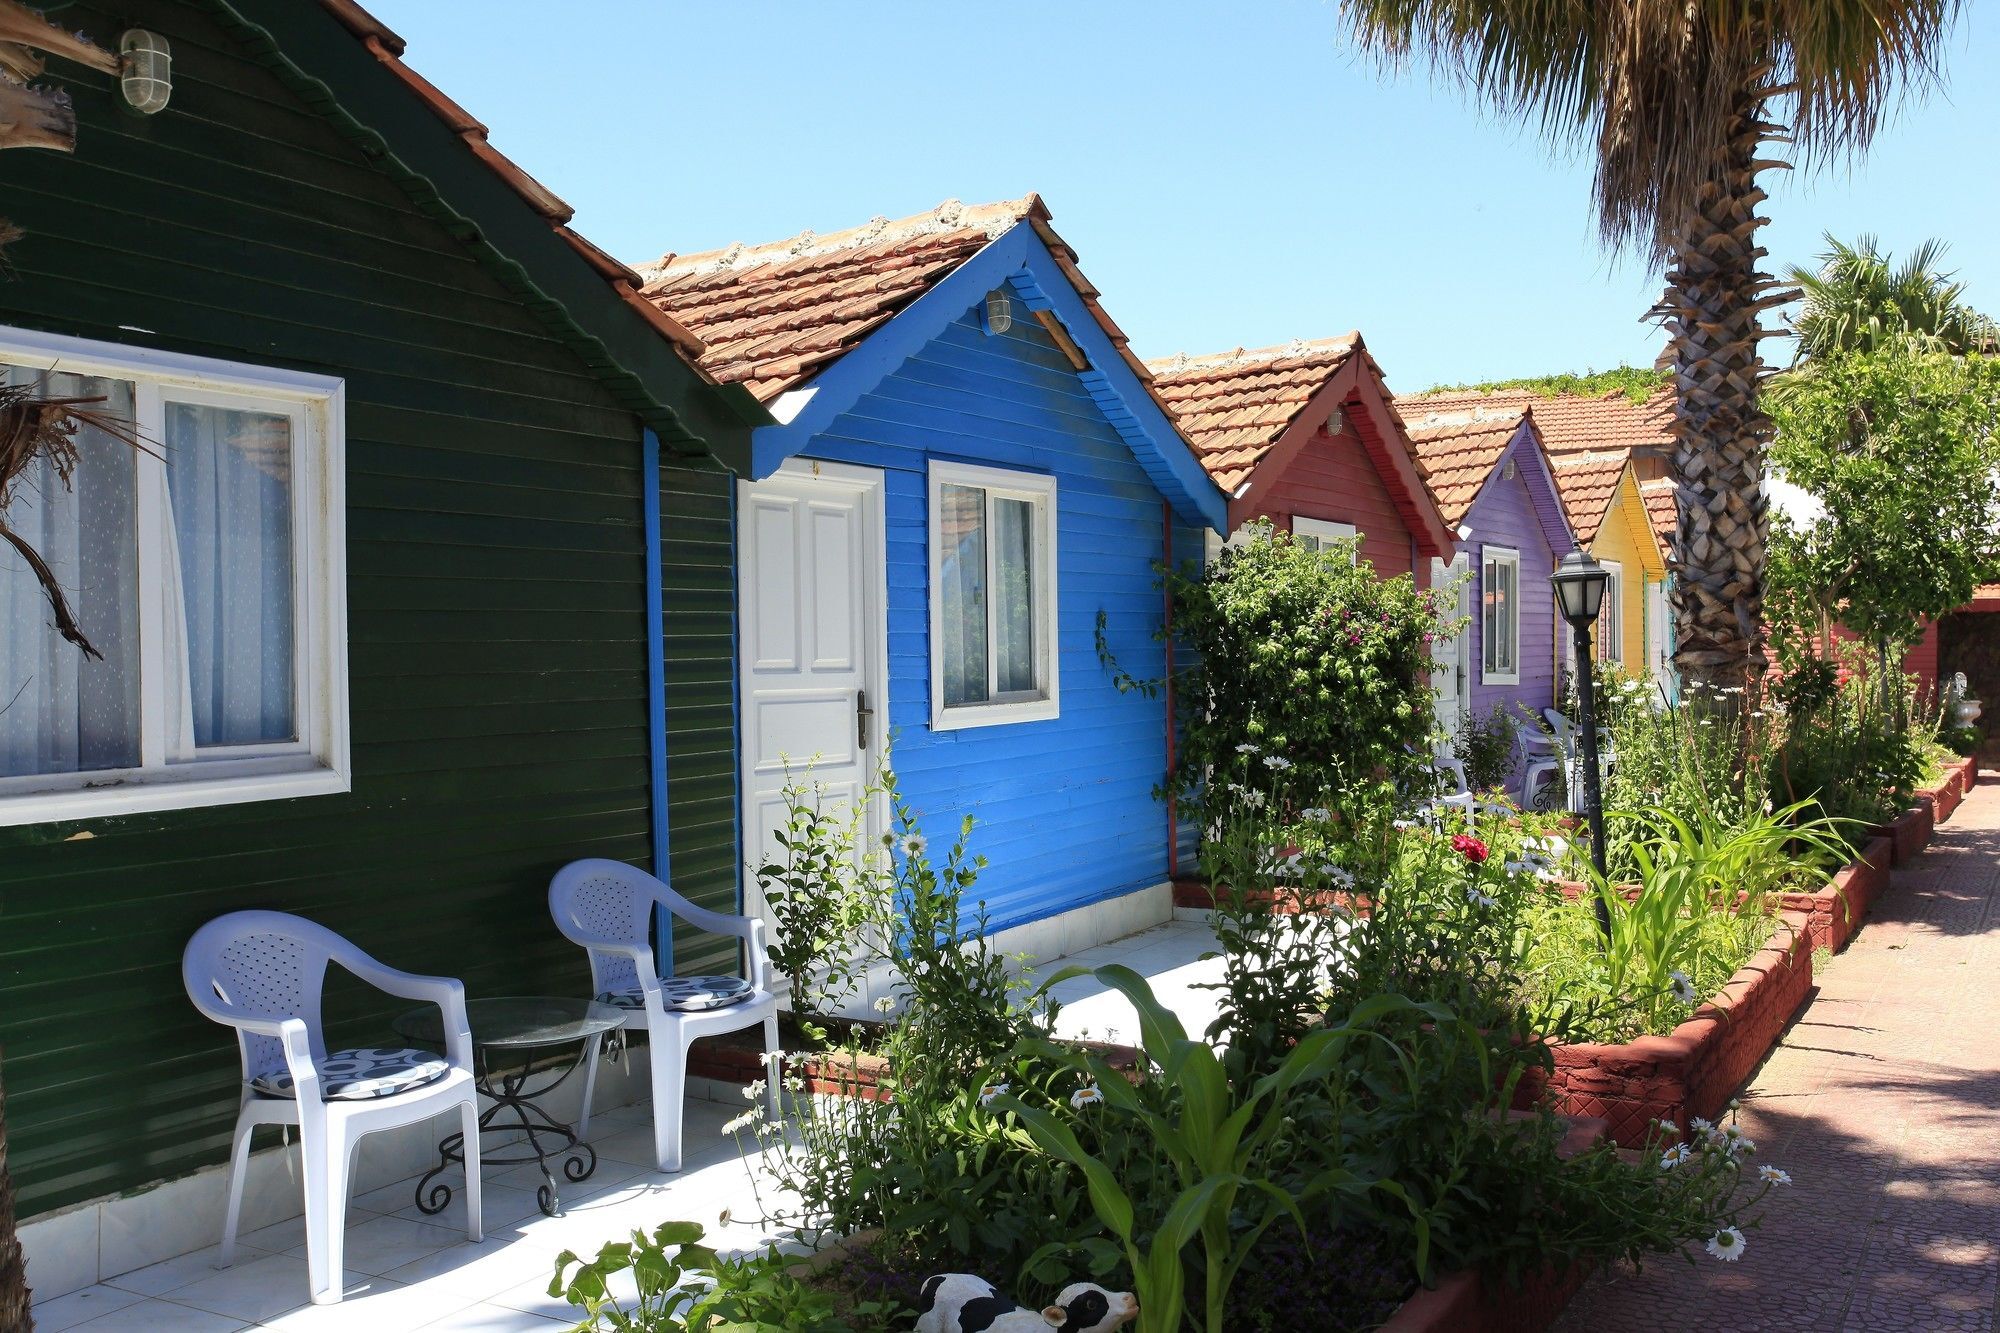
862 712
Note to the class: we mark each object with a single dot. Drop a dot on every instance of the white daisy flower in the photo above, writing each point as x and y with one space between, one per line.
1254 799
1276 763
1316 814
1771 1175
793 1083
885 1004
991 1090
1667 1127
1246 748
1401 824
1478 899
1726 1245
774 1058
1699 1126
739 1124
1673 1157
754 1089
914 844
1682 988
1342 878
1087 1095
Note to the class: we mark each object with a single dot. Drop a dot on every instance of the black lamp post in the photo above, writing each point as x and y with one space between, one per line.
1579 583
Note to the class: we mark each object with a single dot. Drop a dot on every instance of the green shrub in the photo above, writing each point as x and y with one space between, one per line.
1485 745
1313 658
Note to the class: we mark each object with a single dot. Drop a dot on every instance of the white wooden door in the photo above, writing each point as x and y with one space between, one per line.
809 600
1451 663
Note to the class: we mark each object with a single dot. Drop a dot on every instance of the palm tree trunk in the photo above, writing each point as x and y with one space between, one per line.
1712 310
13 1267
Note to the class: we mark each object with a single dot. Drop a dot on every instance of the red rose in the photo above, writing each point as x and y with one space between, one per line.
1469 847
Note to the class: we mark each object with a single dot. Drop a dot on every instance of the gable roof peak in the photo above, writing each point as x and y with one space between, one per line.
952 216
1299 350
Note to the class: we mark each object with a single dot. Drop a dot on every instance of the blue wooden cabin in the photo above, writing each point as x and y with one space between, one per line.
968 469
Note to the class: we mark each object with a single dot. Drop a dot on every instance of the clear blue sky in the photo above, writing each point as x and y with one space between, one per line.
1229 174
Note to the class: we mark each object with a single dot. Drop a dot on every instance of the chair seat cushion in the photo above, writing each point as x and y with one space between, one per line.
362 1075
692 993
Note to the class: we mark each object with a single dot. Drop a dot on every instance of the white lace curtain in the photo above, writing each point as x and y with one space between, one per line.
225 583
61 712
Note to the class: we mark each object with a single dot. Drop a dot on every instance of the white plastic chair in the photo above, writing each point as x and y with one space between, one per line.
1566 745
262 973
1538 758
607 907
1457 793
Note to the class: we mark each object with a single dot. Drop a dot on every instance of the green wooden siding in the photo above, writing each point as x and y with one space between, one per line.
496 585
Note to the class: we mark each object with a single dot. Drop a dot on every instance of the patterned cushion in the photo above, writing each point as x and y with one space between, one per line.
362 1075
685 993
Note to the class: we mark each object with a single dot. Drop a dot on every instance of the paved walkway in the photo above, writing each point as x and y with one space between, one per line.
1884 1104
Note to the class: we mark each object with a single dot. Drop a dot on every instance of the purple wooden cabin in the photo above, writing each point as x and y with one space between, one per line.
1491 477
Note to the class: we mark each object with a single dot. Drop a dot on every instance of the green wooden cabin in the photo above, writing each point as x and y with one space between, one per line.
412 676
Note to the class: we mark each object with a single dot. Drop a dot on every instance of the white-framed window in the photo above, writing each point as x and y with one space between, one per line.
993 596
1611 615
1322 535
208 567
1500 615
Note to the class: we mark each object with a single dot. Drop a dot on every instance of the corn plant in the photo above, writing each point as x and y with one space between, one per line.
1215 1137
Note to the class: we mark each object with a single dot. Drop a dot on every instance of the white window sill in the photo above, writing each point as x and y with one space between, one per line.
994 715
157 792
1499 678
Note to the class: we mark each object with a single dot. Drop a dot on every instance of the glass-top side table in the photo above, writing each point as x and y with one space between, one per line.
507 1034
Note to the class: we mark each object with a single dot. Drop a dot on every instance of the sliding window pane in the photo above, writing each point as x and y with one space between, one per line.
1014 597
62 711
229 481
961 520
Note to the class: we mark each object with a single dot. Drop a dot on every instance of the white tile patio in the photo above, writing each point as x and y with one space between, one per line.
407 1272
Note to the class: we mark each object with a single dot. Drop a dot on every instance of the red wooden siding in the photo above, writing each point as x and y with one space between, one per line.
1333 479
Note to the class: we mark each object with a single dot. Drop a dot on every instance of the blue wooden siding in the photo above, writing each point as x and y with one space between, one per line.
1064 807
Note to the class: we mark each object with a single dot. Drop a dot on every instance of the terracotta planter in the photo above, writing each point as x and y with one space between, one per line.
741 1060
1910 831
834 1073
1941 799
1695 1069
1467 1302
1201 896
1835 913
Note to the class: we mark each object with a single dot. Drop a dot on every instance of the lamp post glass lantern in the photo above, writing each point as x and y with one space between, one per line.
1579 582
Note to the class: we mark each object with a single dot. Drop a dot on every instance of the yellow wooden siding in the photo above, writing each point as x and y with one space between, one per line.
1626 536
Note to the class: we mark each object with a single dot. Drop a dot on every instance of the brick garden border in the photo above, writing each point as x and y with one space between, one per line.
1835 912
1695 1069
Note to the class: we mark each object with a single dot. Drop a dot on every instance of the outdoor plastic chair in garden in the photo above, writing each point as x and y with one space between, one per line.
1457 793
1538 758
1564 731
262 973
607 907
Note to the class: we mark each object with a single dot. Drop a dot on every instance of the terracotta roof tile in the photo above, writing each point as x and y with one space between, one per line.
388 48
1662 507
1459 449
773 315
1233 406
1571 423
1587 482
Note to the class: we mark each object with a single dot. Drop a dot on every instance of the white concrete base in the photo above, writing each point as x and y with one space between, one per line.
90 1242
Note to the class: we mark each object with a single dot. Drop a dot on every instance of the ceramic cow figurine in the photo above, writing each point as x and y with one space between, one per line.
962 1303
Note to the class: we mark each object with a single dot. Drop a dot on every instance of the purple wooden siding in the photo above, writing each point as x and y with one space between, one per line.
1516 512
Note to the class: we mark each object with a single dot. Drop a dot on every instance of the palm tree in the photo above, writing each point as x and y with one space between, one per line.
1677 99
13 1269
1854 301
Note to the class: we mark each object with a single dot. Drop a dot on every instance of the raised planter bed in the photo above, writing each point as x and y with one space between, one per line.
738 1057
1944 798
1201 896
1909 831
1468 1302
1695 1069
1835 912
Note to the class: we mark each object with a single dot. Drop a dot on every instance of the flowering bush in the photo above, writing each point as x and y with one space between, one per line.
1313 658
